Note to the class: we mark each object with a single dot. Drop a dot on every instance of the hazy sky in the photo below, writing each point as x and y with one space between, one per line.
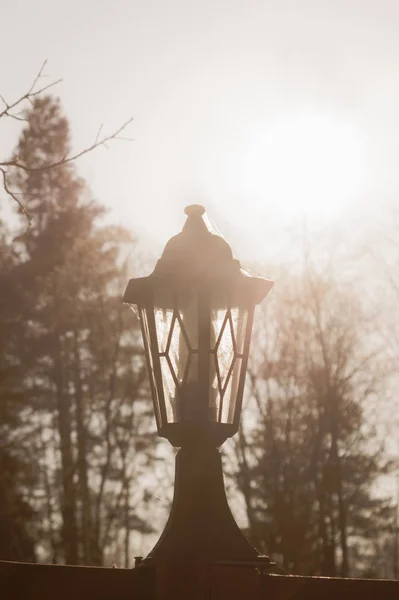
262 110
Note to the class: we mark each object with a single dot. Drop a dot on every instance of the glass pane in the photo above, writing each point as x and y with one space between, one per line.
225 351
218 319
150 363
169 390
239 323
214 391
191 371
178 350
163 320
230 396
189 320
184 339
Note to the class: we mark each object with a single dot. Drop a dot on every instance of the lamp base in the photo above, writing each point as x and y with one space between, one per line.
201 527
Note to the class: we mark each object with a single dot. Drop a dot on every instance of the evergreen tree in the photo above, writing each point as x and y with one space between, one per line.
84 369
16 467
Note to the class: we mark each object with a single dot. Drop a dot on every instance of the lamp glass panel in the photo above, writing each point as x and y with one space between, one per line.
169 389
229 326
230 396
178 350
239 317
150 363
163 320
177 335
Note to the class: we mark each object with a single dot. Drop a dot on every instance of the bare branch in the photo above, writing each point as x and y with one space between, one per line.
67 159
31 93
98 133
7 111
45 88
38 76
13 195
16 117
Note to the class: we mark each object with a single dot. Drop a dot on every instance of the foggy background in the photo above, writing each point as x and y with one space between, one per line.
205 83
281 118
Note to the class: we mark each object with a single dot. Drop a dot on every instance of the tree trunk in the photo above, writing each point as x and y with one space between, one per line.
342 516
342 519
49 498
127 526
68 503
87 530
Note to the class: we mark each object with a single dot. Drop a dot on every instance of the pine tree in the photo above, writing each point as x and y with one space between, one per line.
16 467
84 367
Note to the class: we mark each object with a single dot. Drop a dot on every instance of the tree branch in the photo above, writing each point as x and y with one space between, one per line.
13 195
31 93
67 159
7 111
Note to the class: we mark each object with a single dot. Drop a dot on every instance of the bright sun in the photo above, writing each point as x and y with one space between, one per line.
309 165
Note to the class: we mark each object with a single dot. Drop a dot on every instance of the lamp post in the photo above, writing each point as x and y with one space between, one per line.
196 311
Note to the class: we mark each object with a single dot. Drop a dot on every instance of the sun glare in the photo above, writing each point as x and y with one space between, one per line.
310 166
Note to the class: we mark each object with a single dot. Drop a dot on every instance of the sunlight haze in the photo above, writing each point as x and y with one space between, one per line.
264 111
281 118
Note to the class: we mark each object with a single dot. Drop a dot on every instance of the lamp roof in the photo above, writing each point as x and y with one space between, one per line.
198 257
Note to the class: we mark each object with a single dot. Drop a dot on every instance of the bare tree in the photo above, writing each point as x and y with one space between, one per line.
307 454
16 110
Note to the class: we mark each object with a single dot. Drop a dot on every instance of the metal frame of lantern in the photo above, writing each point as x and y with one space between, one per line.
234 330
196 312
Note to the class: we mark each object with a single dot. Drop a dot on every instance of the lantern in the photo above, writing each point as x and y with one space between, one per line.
196 312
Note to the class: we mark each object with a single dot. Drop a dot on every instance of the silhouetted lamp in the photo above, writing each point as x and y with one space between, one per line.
196 312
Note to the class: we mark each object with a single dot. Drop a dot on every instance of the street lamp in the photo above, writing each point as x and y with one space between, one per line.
196 312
